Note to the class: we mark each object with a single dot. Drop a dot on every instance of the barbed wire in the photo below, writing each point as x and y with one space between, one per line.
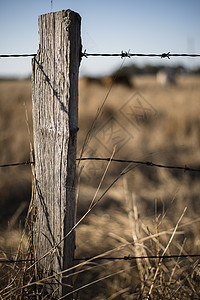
12 261
126 257
129 257
122 55
16 55
147 163
129 55
17 164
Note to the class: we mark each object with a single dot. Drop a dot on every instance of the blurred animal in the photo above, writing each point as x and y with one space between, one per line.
87 80
166 78
118 79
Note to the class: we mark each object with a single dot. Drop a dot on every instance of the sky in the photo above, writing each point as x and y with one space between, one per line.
107 26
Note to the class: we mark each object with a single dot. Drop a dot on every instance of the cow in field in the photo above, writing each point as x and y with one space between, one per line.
118 79
88 80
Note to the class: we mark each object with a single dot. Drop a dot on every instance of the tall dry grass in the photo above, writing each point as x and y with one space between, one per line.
141 213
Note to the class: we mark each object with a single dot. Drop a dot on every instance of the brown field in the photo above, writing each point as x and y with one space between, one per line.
144 212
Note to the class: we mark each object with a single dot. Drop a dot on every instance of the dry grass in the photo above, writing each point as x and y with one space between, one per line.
143 213
15 183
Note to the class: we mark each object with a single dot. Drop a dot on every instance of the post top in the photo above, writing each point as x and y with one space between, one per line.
64 12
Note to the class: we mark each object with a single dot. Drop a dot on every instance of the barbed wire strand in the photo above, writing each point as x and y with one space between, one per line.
128 54
127 257
16 55
122 55
147 163
16 164
12 261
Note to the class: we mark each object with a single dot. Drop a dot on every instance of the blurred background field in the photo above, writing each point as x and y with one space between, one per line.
144 121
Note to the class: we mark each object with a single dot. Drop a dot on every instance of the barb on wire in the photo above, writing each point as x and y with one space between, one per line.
129 257
84 54
165 55
147 163
125 54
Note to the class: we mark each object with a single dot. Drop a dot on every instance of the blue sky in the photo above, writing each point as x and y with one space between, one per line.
111 26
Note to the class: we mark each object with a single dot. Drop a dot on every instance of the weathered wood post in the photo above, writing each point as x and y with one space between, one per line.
55 123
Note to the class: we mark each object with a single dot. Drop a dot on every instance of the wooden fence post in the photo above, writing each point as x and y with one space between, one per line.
55 123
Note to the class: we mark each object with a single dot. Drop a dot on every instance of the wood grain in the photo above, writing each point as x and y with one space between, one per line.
55 122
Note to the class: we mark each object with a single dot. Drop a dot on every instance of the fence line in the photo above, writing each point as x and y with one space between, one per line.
147 163
122 55
126 257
